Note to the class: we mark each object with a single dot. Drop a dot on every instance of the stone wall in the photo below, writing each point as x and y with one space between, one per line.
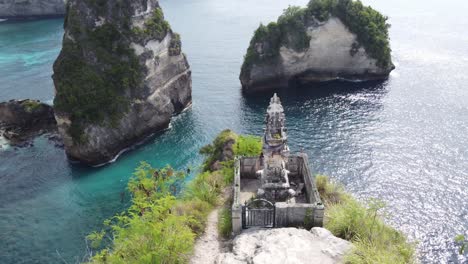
249 167
298 215
307 215
236 210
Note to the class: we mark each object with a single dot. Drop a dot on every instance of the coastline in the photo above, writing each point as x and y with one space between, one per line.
141 142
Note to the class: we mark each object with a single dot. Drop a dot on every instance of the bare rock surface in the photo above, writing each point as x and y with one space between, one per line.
286 246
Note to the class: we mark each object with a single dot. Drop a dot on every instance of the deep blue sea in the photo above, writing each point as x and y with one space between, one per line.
404 140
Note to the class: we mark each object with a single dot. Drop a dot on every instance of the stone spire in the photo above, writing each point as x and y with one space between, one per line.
275 138
274 176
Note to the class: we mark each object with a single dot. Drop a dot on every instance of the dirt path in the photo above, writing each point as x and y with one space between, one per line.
207 247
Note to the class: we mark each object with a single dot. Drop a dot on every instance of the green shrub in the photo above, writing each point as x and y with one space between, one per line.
463 243
225 223
289 30
197 211
149 231
30 105
375 242
156 27
248 146
163 220
213 151
203 190
175 47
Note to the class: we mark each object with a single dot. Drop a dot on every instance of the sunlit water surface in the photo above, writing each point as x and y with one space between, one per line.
404 141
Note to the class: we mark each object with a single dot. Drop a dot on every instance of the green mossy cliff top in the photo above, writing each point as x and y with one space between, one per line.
370 27
97 73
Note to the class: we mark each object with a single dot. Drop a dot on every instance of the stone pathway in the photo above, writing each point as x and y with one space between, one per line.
207 247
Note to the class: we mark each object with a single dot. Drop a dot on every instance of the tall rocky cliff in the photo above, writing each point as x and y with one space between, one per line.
120 77
31 8
328 40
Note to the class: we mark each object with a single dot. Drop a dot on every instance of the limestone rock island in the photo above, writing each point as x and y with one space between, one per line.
120 77
327 40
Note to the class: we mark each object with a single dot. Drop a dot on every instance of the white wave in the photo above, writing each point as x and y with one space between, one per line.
4 144
3 19
145 140
395 74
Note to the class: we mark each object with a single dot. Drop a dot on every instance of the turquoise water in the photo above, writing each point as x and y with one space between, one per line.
404 140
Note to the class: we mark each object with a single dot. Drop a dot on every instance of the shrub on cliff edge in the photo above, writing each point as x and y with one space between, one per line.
164 218
373 240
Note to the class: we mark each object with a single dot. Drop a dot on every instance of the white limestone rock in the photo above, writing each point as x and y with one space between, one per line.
332 54
286 246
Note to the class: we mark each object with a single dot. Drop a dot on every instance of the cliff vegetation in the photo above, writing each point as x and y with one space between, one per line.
166 215
362 224
370 27
97 90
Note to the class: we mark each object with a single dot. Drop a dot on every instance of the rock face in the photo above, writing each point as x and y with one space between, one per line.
301 48
31 8
119 78
22 119
286 246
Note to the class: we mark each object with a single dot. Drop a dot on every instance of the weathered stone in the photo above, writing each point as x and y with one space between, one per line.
286 245
31 8
332 54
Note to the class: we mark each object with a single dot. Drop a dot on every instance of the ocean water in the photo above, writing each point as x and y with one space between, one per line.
404 140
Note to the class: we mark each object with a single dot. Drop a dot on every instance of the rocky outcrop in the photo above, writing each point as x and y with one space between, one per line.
120 77
286 246
22 119
31 8
306 46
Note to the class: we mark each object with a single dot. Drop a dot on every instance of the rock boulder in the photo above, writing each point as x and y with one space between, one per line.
22 119
286 246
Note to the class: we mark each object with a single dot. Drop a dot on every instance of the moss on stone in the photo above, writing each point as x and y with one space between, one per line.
30 105
156 27
175 47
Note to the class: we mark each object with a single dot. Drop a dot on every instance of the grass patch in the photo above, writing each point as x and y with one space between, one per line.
225 222
374 241
248 146
164 219
30 105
